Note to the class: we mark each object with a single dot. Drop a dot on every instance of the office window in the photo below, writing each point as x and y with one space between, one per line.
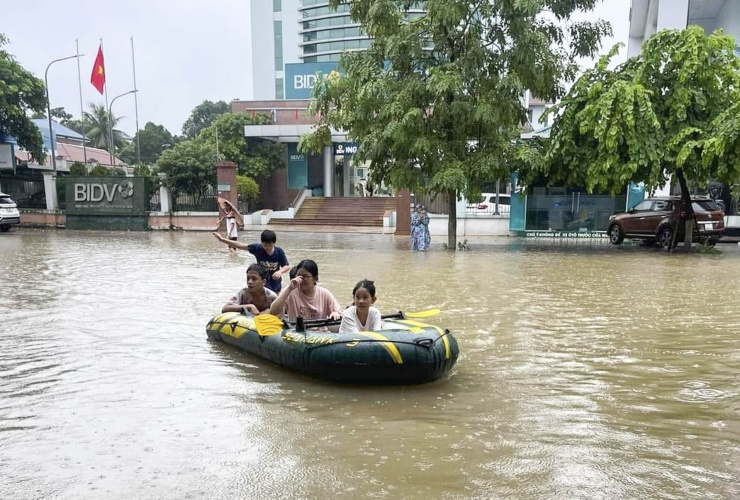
279 89
278 27
277 5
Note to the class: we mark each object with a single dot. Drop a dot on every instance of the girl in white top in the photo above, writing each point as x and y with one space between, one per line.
361 316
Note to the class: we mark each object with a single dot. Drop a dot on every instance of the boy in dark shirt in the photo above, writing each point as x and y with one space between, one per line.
268 254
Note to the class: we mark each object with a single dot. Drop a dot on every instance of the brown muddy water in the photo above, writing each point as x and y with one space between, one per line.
586 371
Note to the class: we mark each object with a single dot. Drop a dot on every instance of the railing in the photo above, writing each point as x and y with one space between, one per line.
195 203
26 191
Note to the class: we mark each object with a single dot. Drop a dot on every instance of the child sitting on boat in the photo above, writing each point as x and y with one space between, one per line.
361 315
255 298
304 297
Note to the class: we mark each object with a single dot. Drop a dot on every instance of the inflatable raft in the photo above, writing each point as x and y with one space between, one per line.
405 351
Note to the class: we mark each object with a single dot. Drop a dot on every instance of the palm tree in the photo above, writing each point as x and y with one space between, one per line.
96 124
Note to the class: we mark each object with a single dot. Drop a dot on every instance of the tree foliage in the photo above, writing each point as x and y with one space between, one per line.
247 188
21 94
254 157
97 121
202 116
189 166
152 140
59 114
667 112
436 102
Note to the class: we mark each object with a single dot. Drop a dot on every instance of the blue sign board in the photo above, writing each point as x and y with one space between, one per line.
345 148
301 77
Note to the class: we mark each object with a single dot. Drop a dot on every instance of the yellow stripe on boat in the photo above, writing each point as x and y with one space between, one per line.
418 327
389 346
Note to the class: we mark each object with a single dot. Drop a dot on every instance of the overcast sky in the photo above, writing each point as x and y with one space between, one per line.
186 51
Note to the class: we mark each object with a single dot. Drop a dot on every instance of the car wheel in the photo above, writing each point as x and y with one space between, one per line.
615 234
665 237
4 228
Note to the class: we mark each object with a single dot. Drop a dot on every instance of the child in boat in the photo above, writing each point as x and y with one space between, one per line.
255 298
304 297
361 315
267 253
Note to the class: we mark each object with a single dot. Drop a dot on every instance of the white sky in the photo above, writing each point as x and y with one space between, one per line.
187 51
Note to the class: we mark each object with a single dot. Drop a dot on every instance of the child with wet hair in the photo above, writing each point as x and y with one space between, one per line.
361 315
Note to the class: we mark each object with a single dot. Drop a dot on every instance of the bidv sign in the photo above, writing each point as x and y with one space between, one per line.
345 148
107 196
301 77
96 192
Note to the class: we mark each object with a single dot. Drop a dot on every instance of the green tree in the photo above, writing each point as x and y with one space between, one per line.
664 113
247 188
59 114
189 166
21 94
254 157
97 122
202 116
436 102
152 140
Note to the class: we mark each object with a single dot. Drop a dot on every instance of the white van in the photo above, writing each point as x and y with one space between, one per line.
487 204
9 214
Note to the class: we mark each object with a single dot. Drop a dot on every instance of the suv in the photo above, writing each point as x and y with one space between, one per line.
487 204
8 213
653 220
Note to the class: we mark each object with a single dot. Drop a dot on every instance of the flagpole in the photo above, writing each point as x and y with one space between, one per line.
107 109
82 112
136 104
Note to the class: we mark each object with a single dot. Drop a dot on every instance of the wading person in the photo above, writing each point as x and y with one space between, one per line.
267 253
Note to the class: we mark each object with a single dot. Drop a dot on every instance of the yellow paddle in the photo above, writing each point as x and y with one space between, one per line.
267 324
422 314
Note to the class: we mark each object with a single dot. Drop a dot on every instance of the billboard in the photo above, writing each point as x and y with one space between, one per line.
300 78
125 196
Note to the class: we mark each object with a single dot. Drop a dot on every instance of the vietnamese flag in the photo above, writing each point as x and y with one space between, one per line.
97 78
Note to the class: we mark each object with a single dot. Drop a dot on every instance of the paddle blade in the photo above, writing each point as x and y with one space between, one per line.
267 324
422 314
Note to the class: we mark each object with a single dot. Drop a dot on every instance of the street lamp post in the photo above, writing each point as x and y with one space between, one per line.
110 124
48 108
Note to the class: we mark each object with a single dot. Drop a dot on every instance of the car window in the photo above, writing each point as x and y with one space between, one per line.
662 205
705 206
643 206
5 200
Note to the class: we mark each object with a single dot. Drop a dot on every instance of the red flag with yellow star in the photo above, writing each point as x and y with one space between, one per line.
97 78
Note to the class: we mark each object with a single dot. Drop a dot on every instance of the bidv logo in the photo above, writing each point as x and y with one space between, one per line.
304 81
100 192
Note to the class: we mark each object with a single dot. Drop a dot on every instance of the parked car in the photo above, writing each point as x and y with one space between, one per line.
653 220
9 214
487 204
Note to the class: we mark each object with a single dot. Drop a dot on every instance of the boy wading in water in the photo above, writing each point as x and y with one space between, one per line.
267 253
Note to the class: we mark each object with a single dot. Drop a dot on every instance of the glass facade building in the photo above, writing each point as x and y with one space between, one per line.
326 33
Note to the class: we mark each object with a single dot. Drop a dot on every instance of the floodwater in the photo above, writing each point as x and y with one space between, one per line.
586 371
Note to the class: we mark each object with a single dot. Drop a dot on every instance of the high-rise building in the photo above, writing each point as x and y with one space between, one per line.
286 33
649 16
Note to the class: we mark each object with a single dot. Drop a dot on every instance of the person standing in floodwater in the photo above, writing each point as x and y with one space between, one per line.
420 237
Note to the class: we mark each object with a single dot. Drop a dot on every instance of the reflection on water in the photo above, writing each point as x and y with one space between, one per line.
585 371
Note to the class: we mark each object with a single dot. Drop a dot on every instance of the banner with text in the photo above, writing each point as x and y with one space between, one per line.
301 77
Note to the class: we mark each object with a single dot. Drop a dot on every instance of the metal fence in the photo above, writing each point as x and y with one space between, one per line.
27 191
434 203
194 203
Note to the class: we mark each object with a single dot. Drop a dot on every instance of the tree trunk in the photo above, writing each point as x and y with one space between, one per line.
686 201
452 221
